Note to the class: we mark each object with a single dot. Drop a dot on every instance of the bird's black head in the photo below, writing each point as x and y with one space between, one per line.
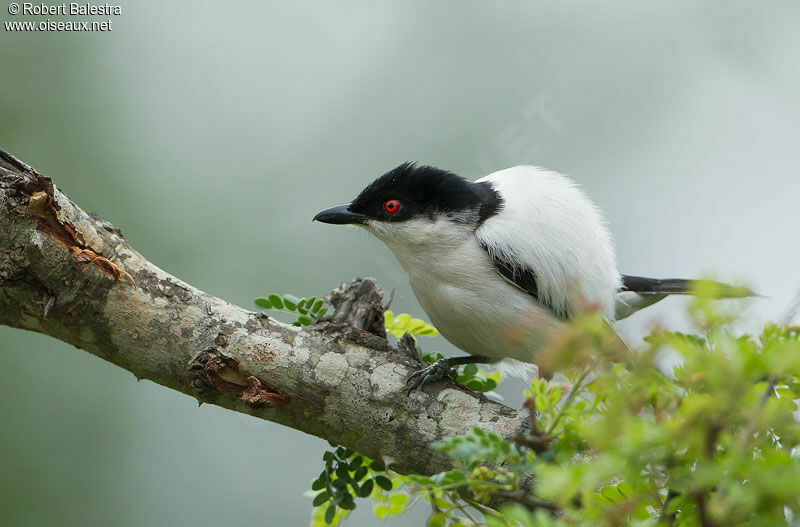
411 192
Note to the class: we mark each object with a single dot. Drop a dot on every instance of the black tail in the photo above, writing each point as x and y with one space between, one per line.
679 286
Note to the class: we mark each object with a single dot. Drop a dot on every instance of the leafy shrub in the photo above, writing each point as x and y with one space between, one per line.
347 476
712 441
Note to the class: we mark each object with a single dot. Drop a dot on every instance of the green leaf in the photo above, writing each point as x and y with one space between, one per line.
356 462
493 521
432 357
398 325
329 512
470 370
321 498
341 472
360 473
381 512
290 301
263 302
275 301
320 482
625 489
305 320
366 489
402 319
347 502
318 305
397 502
475 384
611 494
451 477
437 519
414 326
383 482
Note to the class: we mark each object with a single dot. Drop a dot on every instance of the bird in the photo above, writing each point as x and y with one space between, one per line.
501 263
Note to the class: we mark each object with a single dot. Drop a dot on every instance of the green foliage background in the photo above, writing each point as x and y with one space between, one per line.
211 133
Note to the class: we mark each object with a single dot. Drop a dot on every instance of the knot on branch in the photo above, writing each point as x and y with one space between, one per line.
357 313
20 182
358 304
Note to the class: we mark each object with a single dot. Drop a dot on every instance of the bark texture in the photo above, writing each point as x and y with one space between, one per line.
72 275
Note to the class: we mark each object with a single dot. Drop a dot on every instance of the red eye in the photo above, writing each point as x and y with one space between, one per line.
391 206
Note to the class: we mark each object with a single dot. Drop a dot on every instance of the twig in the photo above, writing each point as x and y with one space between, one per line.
670 518
535 440
568 402
702 513
463 510
747 433
526 500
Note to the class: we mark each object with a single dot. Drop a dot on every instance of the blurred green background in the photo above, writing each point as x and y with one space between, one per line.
211 133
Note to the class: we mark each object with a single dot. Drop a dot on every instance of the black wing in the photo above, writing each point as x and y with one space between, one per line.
522 277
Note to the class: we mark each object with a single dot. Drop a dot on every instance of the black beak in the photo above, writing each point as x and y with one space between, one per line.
340 216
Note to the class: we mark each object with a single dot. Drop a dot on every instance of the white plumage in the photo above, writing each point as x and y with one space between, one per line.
546 224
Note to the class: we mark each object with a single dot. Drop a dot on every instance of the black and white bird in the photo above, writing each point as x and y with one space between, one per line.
500 263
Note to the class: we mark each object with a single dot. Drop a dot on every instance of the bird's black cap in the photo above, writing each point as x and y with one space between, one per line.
411 191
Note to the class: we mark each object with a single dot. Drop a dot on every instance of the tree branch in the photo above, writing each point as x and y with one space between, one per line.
72 275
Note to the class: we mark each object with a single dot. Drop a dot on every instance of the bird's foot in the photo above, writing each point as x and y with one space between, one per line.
435 372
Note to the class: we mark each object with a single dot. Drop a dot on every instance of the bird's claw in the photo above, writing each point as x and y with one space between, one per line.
435 372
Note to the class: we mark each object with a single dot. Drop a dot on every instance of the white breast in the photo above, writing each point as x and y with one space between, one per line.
462 293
